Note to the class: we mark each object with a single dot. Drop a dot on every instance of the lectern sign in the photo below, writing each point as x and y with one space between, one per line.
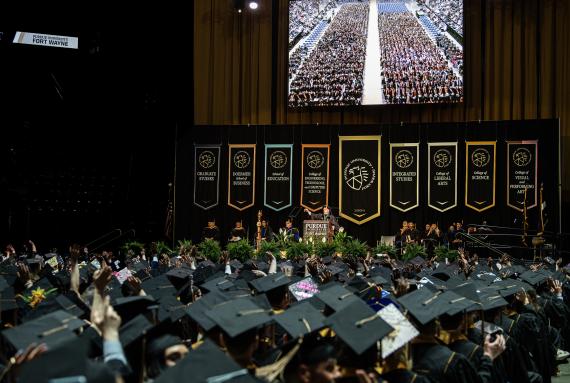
404 173
206 176
480 169
241 176
359 178
278 171
522 173
442 175
315 176
315 229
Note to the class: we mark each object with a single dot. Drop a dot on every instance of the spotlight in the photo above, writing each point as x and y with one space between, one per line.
253 5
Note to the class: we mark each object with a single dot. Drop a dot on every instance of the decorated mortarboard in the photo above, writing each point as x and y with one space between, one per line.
337 297
358 326
51 329
301 319
402 333
238 316
270 282
304 289
423 305
198 366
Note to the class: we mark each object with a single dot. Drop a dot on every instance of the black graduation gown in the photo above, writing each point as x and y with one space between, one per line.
474 353
403 376
211 232
442 365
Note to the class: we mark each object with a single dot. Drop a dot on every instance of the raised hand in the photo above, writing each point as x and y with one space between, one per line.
495 348
102 277
74 252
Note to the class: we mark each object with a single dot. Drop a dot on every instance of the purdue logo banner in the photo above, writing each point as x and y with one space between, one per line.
241 176
480 166
522 173
278 171
206 175
442 175
359 178
315 176
404 170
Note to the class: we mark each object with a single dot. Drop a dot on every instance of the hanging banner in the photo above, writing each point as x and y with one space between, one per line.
359 178
315 176
404 173
522 173
206 176
278 172
241 176
442 175
480 167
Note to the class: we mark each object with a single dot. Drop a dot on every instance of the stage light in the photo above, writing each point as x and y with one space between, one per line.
253 5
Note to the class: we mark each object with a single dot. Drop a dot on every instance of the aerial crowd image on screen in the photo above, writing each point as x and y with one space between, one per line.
370 52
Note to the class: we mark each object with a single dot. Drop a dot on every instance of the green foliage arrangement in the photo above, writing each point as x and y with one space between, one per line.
210 249
240 250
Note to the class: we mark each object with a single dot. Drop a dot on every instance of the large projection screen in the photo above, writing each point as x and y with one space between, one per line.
370 52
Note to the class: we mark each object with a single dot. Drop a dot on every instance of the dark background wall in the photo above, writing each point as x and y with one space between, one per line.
517 67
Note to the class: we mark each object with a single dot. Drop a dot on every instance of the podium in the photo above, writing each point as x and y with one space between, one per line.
316 229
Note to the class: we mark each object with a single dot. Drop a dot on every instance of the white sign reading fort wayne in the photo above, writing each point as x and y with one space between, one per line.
46 40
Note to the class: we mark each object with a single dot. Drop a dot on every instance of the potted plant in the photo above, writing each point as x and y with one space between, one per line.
210 249
184 246
271 246
132 248
325 249
163 248
413 250
297 250
443 252
240 250
283 239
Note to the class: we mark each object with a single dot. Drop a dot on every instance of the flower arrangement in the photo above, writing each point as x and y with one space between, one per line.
38 296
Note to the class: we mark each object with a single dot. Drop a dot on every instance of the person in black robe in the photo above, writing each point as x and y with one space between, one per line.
238 232
211 231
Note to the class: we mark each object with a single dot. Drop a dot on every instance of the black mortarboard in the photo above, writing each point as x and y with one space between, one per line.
358 326
66 363
158 287
134 329
197 310
171 307
337 297
51 329
418 261
423 305
238 316
7 300
221 283
179 276
534 278
206 364
456 303
301 319
510 287
491 300
67 305
130 307
9 272
270 282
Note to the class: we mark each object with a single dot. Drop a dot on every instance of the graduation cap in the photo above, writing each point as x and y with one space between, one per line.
270 282
158 286
172 308
68 305
179 276
301 319
510 287
337 297
129 307
220 283
66 363
358 326
7 300
403 331
492 300
206 364
9 272
303 289
455 303
197 310
424 305
51 329
238 316
418 261
134 330
534 278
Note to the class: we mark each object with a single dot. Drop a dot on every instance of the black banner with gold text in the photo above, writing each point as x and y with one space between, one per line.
442 175
359 178
206 176
241 176
480 169
278 172
404 173
522 174
315 176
